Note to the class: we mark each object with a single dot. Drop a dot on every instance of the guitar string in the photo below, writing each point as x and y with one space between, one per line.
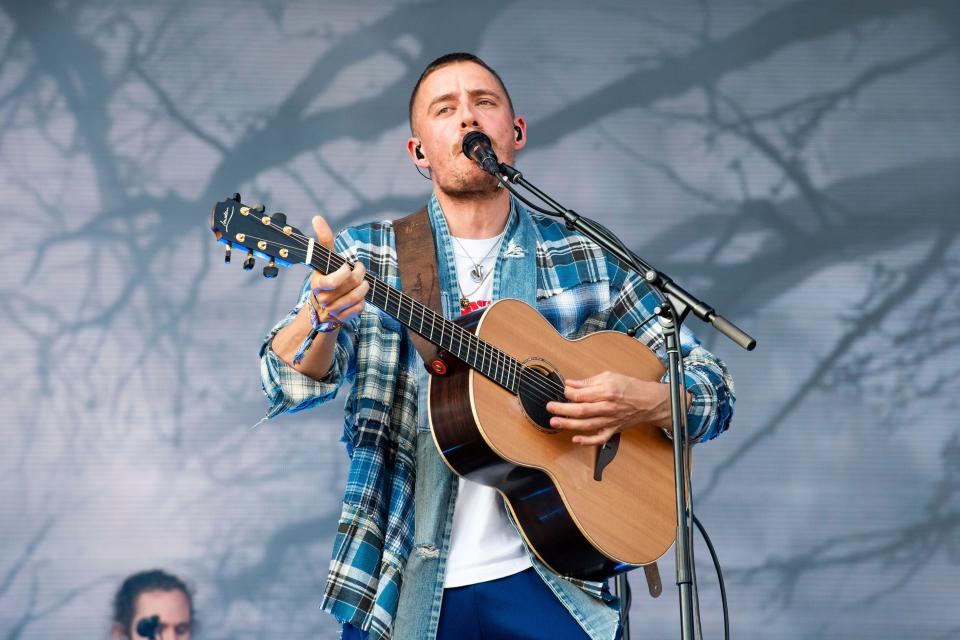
541 387
549 390
544 388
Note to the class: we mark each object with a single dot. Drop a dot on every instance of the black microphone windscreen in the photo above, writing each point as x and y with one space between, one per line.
477 147
147 627
472 140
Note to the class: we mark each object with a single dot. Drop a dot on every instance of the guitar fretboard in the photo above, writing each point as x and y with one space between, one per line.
449 336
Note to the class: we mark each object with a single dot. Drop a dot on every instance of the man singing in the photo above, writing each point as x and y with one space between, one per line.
419 552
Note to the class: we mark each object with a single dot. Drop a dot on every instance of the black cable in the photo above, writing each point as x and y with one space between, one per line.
628 597
554 214
606 233
723 589
596 226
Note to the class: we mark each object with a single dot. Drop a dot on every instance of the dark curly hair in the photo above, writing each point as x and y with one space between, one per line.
125 602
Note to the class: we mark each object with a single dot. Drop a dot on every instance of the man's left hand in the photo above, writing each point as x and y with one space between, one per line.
608 403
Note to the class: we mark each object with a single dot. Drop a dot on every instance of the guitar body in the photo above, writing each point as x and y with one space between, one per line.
576 525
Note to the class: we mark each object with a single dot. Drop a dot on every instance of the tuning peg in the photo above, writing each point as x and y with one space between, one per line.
279 219
271 270
248 263
235 197
258 208
226 255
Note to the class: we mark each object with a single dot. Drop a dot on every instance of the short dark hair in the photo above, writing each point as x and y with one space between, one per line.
125 602
453 58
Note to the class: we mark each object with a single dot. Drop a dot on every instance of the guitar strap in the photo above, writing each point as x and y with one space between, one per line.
417 265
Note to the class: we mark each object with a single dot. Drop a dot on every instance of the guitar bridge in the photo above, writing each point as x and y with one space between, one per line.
605 456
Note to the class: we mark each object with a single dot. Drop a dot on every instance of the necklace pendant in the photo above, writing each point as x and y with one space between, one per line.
464 303
476 274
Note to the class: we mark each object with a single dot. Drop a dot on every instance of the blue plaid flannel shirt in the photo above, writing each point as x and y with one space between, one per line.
579 290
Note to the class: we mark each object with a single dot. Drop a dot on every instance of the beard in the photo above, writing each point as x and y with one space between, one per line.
470 184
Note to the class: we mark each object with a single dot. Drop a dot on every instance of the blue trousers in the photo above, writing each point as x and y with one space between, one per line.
517 607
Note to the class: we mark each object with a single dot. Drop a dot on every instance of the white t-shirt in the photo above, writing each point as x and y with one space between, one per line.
484 545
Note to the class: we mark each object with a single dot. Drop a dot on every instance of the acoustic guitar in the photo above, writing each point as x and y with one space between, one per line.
587 512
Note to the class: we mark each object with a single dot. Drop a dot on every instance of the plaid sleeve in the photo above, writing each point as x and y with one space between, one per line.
705 376
708 380
287 389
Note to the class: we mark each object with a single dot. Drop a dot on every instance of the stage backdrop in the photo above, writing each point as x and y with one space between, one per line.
795 163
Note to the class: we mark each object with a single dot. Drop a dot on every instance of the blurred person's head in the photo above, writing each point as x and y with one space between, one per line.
153 593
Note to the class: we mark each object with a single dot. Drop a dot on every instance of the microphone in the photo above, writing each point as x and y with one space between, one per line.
478 148
147 627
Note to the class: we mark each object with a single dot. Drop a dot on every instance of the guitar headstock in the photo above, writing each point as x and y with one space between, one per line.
250 230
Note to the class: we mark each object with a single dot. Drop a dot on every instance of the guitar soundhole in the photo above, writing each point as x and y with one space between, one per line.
539 384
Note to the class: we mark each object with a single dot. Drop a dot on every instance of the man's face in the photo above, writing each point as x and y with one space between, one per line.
452 101
173 609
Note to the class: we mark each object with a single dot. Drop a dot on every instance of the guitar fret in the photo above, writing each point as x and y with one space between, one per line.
386 300
484 355
499 366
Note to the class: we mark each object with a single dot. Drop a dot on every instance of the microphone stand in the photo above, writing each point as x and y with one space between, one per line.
677 304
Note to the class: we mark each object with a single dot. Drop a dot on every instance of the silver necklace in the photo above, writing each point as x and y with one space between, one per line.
465 297
477 272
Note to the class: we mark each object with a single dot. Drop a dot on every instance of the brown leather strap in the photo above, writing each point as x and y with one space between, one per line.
417 263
